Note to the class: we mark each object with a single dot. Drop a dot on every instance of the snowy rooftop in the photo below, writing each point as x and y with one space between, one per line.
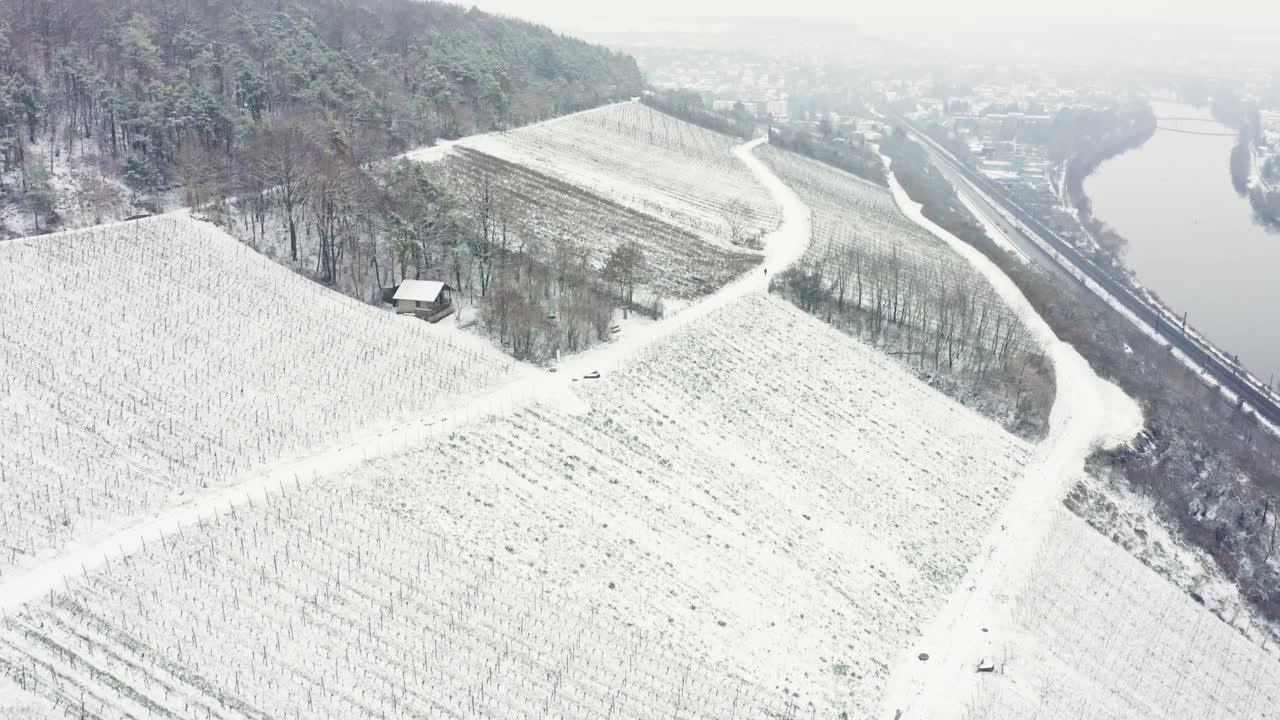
420 290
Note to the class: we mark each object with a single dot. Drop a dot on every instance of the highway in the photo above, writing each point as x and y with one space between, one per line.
1072 263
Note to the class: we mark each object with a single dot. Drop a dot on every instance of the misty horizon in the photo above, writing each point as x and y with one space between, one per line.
1141 33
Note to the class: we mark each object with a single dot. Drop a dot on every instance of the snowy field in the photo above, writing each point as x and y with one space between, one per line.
1133 521
678 263
1099 635
648 161
146 362
874 272
851 213
619 556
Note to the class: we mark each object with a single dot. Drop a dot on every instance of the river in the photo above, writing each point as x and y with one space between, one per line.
1192 240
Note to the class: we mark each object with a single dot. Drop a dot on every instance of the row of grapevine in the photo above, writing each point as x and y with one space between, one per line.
549 212
650 162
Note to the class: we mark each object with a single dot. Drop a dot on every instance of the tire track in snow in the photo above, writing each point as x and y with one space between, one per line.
783 247
976 622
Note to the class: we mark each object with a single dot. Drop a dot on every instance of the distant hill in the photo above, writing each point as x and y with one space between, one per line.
143 90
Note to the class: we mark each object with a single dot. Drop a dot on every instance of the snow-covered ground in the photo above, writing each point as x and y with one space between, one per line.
648 161
750 515
1097 634
1133 521
832 538
151 361
904 289
18 704
451 389
1088 413
851 213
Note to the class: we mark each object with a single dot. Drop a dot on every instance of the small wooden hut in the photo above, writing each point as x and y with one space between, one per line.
427 299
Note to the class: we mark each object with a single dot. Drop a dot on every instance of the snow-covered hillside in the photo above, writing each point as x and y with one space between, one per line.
1056 621
850 212
145 362
1099 635
753 516
648 161
875 273
865 247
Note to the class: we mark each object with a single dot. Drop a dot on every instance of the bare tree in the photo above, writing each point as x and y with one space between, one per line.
481 201
96 196
284 159
737 215
624 268
199 171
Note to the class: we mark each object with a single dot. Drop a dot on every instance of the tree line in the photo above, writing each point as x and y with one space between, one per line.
142 87
688 105
1082 138
940 315
830 147
1245 117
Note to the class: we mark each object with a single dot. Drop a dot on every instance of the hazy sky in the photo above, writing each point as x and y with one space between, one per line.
897 15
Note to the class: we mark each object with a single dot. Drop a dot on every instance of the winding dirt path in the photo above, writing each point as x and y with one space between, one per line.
976 622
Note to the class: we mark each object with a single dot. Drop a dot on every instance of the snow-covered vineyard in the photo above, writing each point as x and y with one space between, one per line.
146 362
649 162
1117 639
228 492
624 559
680 264
851 213
869 253
1096 634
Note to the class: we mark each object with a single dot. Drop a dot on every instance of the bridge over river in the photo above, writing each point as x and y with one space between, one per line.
1192 126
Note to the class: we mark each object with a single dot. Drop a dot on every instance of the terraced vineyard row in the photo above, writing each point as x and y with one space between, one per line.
648 161
678 263
626 559
147 361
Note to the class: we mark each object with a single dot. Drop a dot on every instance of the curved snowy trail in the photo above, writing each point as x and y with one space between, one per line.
1088 413
782 247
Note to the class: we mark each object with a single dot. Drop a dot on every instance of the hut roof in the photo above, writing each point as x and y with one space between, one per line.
420 290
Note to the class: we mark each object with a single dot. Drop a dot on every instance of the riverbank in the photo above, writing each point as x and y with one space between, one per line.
1264 198
1190 240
